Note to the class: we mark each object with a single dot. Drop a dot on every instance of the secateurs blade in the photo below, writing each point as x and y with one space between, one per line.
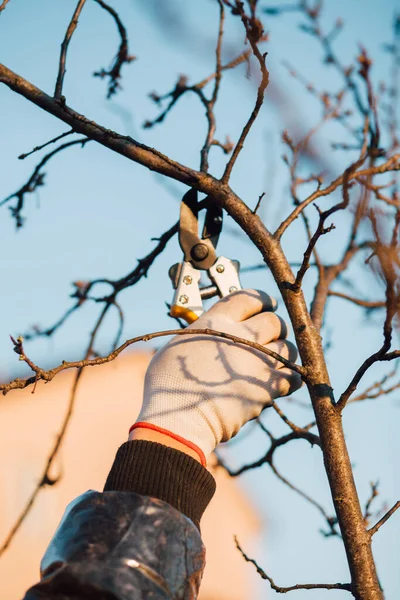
199 255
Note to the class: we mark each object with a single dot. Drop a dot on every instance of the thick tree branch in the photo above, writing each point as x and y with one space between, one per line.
121 144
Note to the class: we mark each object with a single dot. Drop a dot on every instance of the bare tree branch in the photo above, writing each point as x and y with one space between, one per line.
385 517
124 145
292 588
384 254
321 230
300 434
37 148
254 33
122 57
64 49
181 87
376 389
211 103
41 374
3 5
392 164
358 301
35 181
374 494
330 521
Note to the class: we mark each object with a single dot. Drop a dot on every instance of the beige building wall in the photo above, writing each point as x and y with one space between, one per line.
108 401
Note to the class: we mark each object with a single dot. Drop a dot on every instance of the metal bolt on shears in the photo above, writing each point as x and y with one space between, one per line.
200 255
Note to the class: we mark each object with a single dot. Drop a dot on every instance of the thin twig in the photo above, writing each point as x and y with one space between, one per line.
181 87
383 520
254 35
330 521
284 418
269 459
232 64
41 374
321 230
211 103
36 148
376 390
358 301
301 434
122 57
374 494
64 49
257 206
291 588
36 180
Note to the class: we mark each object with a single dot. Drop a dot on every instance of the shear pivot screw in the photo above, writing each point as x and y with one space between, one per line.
187 280
233 289
220 268
183 299
199 252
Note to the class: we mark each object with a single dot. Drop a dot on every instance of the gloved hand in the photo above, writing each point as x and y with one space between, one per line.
203 388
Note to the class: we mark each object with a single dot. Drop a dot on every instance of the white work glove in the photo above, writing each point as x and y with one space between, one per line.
203 388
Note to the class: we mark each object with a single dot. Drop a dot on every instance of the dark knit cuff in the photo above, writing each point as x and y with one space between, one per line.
151 469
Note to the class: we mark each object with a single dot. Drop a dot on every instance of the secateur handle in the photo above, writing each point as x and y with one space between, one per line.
188 298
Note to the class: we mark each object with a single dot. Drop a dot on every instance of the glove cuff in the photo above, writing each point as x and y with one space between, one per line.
178 438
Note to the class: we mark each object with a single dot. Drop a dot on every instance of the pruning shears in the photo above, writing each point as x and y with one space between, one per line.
199 254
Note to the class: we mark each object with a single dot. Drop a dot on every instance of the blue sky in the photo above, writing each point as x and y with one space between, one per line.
98 212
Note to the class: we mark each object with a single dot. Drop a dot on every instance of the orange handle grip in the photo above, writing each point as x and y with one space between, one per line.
180 312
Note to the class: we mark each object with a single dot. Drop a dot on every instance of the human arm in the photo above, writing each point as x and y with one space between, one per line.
152 471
